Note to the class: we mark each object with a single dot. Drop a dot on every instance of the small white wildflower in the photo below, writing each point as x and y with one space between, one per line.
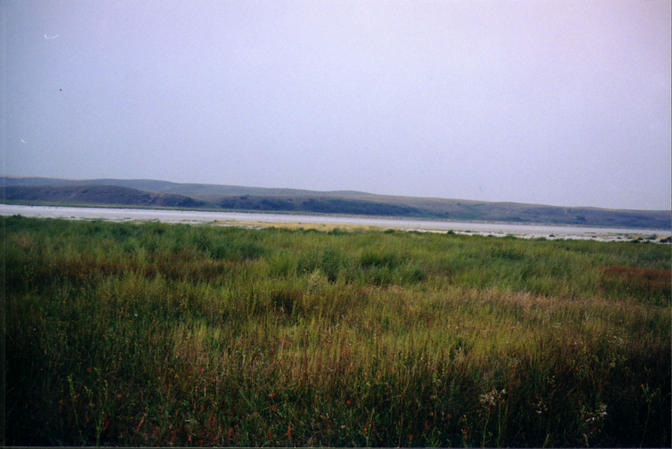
602 410
595 416
492 397
487 399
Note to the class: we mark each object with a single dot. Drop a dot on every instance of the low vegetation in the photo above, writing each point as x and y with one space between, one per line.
156 334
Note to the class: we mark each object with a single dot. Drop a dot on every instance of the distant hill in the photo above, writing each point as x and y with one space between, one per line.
96 194
152 193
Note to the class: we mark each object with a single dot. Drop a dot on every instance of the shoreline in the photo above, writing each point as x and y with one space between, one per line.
346 222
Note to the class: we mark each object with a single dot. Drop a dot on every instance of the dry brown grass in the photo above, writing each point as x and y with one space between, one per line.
645 277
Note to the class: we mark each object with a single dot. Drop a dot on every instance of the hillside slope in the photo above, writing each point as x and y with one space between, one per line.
96 194
144 192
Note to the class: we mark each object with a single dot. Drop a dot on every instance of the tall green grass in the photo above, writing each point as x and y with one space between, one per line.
155 334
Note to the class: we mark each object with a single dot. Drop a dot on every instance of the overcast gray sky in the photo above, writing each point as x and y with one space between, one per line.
559 102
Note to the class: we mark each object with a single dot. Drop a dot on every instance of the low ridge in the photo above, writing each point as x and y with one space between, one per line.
153 193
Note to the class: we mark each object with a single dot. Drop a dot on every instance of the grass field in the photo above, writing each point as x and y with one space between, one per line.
156 334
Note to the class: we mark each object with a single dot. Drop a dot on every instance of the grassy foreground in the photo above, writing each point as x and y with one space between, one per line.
153 334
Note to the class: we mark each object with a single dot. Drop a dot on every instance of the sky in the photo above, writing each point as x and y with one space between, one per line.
562 102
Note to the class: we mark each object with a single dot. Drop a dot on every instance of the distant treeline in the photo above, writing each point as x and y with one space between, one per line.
321 205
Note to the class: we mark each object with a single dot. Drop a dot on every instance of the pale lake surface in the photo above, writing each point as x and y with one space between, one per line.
249 219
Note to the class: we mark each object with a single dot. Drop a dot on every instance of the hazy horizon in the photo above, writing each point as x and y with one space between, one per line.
563 102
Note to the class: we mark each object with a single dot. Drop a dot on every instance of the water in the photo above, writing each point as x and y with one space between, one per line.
233 218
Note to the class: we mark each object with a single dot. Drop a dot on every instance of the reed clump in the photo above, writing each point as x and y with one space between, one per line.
158 335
